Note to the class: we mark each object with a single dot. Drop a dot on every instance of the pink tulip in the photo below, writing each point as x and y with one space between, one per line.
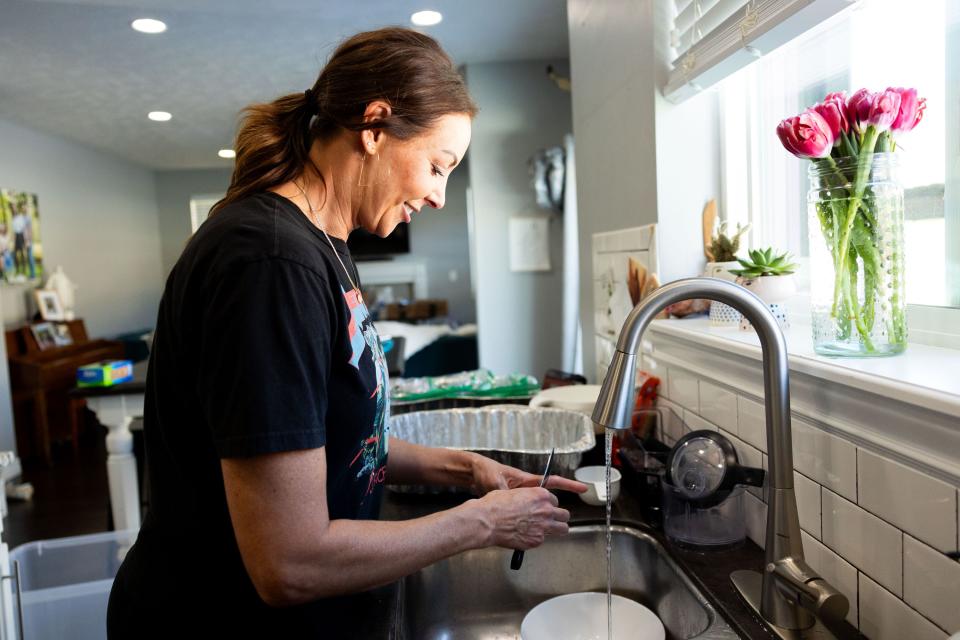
884 110
833 110
911 109
858 107
807 135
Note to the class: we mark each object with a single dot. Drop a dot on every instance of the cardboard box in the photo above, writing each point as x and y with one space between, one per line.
105 373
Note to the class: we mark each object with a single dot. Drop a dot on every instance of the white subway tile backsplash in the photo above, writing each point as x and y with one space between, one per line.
834 569
931 583
718 406
749 457
826 458
922 506
865 540
684 389
654 367
808 503
755 512
672 418
883 616
696 423
752 423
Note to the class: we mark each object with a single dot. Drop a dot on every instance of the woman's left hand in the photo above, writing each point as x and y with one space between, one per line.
490 475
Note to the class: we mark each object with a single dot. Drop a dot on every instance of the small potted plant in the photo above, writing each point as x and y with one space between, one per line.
770 277
723 257
723 251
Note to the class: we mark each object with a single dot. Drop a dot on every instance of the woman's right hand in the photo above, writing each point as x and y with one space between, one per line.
521 518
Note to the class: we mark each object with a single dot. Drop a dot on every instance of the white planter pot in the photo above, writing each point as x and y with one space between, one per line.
722 270
722 314
771 289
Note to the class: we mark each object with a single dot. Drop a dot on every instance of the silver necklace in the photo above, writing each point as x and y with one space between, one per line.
316 221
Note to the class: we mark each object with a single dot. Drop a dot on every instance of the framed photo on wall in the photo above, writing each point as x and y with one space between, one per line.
48 302
21 253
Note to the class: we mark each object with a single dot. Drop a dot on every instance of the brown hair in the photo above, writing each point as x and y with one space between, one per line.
405 68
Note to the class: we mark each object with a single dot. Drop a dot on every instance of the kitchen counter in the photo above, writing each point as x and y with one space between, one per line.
710 571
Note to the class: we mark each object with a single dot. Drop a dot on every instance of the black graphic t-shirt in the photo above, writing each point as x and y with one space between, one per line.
261 346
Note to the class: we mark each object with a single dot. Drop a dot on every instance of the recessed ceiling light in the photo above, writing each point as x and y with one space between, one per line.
159 116
426 18
148 25
227 153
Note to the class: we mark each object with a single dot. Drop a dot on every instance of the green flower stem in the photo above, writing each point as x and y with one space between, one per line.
865 246
847 145
841 284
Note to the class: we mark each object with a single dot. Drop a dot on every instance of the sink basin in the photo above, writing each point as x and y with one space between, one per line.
476 596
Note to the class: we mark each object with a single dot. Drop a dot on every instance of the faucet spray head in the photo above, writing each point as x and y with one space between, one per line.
614 408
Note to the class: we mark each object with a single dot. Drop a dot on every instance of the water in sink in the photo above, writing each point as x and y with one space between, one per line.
608 456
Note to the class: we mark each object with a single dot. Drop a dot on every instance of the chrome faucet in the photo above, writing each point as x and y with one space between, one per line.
790 596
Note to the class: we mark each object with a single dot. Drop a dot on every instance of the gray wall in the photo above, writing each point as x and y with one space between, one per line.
98 219
440 240
521 111
174 190
437 238
640 159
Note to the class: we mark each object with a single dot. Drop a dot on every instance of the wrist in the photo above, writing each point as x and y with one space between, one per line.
460 468
477 523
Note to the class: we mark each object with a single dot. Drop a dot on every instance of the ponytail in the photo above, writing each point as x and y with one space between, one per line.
272 146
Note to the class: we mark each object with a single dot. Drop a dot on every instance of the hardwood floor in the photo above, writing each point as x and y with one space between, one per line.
70 498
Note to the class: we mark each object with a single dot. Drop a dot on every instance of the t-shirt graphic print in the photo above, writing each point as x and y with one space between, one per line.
371 456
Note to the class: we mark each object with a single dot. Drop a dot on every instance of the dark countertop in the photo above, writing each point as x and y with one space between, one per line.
710 571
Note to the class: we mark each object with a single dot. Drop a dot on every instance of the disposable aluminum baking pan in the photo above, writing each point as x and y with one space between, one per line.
511 434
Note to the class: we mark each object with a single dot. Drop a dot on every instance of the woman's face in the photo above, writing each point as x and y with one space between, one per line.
411 174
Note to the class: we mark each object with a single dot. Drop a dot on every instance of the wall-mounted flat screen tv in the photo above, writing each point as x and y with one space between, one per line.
367 246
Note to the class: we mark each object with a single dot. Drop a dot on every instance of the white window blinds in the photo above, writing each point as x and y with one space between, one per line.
711 39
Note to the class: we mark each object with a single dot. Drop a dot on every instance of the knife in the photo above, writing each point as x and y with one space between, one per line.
517 560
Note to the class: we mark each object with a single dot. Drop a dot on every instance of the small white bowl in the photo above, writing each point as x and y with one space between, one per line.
596 480
578 616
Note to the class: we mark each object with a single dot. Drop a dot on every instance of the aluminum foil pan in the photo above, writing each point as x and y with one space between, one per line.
514 435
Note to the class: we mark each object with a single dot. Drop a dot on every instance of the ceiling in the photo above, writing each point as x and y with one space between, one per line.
76 69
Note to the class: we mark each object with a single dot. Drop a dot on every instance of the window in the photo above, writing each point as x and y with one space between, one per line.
877 44
200 208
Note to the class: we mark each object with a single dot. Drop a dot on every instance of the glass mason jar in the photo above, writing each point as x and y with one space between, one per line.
856 256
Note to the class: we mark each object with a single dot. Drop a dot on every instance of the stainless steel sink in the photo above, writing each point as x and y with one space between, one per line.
476 596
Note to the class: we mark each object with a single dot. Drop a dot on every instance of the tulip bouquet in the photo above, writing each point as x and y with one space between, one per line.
851 142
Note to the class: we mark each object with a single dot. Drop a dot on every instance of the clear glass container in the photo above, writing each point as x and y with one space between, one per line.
856 256
718 527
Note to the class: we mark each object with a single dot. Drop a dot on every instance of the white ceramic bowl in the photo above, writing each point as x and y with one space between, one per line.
583 616
596 479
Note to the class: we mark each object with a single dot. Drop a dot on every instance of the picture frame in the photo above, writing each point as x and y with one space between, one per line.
62 334
21 251
45 335
48 302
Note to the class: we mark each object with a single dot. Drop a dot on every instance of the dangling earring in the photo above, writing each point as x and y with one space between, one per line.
363 159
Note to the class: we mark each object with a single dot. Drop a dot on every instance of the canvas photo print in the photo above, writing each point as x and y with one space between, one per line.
21 257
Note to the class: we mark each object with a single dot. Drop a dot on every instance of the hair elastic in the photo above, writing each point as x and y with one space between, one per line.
308 96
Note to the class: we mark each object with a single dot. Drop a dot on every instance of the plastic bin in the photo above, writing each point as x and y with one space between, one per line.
65 584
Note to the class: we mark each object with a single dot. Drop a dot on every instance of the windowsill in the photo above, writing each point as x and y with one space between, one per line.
923 376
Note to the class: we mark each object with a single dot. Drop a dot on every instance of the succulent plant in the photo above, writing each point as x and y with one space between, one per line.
763 262
724 248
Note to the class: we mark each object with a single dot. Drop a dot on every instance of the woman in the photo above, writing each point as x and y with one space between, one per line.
266 411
